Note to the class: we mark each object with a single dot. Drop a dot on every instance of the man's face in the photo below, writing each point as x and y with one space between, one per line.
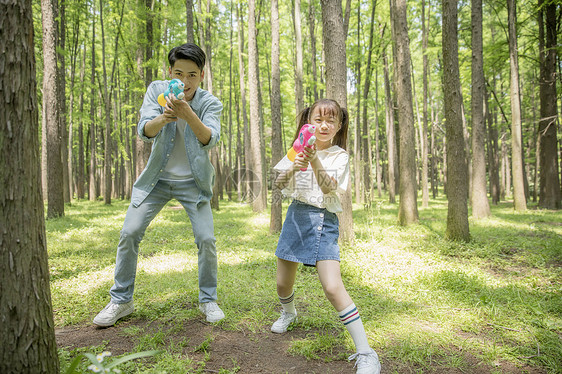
188 72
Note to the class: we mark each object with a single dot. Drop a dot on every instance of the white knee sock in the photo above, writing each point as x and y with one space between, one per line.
288 303
352 321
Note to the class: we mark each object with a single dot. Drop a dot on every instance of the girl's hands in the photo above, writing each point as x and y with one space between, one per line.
305 157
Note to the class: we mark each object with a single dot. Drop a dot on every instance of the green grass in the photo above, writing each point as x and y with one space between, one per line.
425 302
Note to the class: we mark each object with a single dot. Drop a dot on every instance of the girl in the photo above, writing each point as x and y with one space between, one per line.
310 231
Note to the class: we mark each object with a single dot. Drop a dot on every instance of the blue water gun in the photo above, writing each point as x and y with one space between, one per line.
176 87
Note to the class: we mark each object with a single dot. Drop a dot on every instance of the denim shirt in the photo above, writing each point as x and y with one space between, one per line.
208 108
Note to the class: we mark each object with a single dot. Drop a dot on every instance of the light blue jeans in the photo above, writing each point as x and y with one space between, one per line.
138 219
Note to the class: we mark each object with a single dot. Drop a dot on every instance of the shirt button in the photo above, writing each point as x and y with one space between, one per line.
172 139
319 228
321 215
152 184
168 155
161 170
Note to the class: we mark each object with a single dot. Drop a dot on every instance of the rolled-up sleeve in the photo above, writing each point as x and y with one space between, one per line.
150 108
211 117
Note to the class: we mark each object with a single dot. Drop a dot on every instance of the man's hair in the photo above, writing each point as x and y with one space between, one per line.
187 51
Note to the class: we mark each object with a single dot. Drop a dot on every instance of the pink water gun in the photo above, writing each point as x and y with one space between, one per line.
306 138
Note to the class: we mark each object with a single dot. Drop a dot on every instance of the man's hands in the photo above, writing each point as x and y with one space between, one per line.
177 108
174 109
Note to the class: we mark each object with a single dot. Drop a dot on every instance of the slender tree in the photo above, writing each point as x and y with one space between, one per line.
519 200
550 194
107 111
366 159
333 37
390 134
259 202
276 130
55 197
457 187
27 328
424 138
299 92
480 205
312 37
408 208
189 20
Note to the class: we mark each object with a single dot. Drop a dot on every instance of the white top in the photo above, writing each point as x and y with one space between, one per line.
304 187
178 167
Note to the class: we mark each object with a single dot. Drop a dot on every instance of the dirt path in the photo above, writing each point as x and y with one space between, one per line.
253 353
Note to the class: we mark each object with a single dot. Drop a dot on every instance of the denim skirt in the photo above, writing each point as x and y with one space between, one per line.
309 234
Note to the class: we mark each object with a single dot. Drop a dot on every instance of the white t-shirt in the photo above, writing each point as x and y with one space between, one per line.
304 187
178 167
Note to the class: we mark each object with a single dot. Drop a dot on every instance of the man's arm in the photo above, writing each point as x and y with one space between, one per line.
153 127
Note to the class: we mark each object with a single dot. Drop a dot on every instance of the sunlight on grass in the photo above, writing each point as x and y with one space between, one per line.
425 302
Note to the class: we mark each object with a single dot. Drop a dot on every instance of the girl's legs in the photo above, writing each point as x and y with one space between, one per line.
330 277
286 273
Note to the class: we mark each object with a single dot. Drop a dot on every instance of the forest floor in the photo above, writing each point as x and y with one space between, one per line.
215 350
493 305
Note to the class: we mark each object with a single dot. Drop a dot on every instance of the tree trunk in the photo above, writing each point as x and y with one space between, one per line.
107 162
61 101
480 205
276 220
27 328
80 177
550 195
92 195
336 87
311 26
390 135
425 140
299 94
457 212
492 155
366 158
245 175
259 199
51 96
189 21
359 188
519 200
408 209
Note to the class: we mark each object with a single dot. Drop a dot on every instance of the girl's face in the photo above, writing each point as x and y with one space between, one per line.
327 126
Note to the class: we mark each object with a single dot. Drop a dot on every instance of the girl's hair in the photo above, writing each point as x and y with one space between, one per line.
329 107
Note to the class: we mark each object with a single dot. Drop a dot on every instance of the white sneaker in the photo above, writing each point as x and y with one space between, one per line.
367 363
280 326
112 312
212 311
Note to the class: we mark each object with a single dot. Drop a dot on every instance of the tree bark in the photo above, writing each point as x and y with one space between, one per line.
55 197
390 135
107 162
457 188
276 220
336 87
550 194
259 200
92 194
61 101
311 26
408 209
480 205
519 200
425 140
80 177
189 21
26 315
299 93
366 159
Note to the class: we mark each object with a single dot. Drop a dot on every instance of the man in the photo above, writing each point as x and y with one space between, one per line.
178 167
